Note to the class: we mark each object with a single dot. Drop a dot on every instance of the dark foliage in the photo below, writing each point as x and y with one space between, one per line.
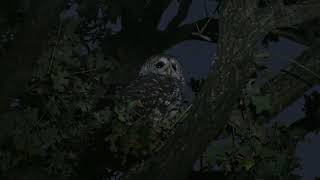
67 121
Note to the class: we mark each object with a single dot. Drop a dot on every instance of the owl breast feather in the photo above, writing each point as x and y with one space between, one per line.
159 98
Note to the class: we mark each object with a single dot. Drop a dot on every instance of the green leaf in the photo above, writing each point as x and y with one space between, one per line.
84 106
52 106
214 152
248 164
262 103
121 117
132 104
60 81
102 116
252 89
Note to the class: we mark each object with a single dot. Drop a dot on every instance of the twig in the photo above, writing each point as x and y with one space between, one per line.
84 71
55 48
297 77
302 66
306 69
202 36
205 25
203 28
182 115
198 29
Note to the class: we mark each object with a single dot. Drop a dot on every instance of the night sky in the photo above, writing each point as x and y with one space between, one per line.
196 57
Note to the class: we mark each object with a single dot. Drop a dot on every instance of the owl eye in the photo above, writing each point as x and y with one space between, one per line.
159 64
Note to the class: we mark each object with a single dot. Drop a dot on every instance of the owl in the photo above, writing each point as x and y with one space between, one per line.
144 113
157 93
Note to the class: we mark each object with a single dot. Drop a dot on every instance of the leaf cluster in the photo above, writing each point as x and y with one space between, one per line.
50 124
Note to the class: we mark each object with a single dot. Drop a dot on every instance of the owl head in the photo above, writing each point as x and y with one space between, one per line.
163 65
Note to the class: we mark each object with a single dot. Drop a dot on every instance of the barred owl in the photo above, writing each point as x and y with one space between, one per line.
158 91
139 129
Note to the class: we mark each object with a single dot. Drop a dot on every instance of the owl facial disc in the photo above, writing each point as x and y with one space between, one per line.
163 65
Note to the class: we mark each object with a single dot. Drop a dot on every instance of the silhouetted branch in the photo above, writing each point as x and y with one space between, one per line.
237 40
186 32
153 12
183 10
312 110
295 14
292 34
285 89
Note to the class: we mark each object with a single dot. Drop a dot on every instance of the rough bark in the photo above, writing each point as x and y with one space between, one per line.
241 26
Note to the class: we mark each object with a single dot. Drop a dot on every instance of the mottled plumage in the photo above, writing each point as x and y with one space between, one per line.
158 91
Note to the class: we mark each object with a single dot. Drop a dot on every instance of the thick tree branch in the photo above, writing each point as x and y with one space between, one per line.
153 12
285 16
239 33
293 35
285 89
310 123
212 106
304 33
183 10
291 84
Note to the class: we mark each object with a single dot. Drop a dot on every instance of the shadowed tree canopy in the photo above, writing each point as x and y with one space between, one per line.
237 30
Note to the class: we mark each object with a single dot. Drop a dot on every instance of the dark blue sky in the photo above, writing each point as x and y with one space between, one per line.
196 57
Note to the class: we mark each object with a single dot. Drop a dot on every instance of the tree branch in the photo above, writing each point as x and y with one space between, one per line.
293 35
185 32
285 89
296 14
237 40
183 10
284 17
153 12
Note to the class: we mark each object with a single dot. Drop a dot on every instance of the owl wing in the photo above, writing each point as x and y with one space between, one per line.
157 97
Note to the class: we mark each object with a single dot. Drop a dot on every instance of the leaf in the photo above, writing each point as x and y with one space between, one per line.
133 104
236 118
245 150
49 137
84 106
100 62
52 106
102 116
214 152
252 89
20 142
248 164
121 117
35 148
262 103
60 81
31 114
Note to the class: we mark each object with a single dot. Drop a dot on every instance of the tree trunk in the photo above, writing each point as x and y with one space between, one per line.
241 25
